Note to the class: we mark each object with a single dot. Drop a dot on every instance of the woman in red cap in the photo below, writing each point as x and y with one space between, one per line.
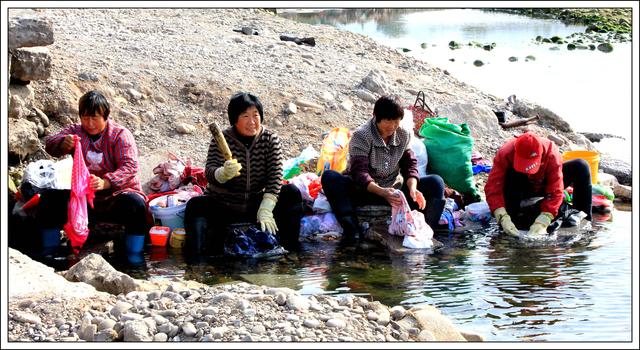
530 166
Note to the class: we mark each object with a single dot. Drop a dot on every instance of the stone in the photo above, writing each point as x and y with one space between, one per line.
431 319
621 192
96 271
377 82
291 108
160 337
136 331
472 336
106 335
43 117
31 63
119 308
189 329
106 324
26 317
308 104
618 168
398 312
298 303
311 323
23 138
184 128
28 30
346 105
335 323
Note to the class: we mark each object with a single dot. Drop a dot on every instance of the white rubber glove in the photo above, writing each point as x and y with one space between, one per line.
504 220
228 171
265 213
539 226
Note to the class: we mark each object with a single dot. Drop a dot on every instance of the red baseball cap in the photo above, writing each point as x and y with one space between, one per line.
528 153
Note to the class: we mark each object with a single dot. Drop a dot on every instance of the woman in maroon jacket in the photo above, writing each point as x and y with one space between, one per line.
531 166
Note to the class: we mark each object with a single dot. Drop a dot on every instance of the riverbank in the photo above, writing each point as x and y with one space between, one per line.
170 72
93 302
601 20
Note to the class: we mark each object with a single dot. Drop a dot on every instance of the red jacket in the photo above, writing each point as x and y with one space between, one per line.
547 181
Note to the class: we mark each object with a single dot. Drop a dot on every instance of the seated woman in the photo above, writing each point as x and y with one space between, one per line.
380 162
247 188
111 156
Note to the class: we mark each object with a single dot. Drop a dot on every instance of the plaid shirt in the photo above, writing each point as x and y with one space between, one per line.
113 156
371 160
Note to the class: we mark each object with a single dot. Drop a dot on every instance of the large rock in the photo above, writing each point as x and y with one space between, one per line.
20 100
431 319
23 137
96 271
31 63
28 30
31 279
618 168
480 118
377 82
548 118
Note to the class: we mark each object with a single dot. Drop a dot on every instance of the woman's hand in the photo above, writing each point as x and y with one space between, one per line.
391 196
418 198
98 183
68 143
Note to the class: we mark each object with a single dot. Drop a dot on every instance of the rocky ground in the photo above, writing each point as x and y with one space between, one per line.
168 73
44 306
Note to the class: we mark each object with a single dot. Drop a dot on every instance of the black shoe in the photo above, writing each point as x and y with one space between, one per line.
434 212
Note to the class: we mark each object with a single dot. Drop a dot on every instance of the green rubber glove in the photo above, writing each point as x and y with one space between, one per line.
228 171
265 213
504 220
539 226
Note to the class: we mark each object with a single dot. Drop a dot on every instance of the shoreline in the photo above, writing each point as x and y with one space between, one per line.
167 69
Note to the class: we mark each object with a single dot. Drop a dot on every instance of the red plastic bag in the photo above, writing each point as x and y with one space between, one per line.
76 227
314 187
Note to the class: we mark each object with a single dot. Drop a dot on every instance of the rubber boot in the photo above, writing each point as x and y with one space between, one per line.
350 229
196 236
433 212
50 238
134 243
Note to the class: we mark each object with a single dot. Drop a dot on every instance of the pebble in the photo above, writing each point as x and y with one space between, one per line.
310 324
335 323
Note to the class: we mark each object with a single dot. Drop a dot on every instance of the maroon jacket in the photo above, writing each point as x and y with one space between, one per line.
547 181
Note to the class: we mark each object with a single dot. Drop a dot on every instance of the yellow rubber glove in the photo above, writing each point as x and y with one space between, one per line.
228 171
265 213
539 226
504 220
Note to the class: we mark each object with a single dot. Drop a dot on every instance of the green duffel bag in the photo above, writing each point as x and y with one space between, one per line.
449 148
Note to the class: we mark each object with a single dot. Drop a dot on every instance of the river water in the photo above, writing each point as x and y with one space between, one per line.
591 90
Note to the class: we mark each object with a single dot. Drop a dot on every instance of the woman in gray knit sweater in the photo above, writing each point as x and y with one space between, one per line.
247 188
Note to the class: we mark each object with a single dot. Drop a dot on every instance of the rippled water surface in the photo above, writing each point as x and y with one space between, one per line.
483 281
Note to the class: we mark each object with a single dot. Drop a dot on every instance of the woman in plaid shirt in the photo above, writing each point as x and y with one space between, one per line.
111 156
380 161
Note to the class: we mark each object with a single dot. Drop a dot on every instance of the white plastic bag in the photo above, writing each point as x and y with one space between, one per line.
321 204
41 174
302 182
420 150
407 122
407 222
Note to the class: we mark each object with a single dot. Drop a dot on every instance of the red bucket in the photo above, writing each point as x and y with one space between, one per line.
159 235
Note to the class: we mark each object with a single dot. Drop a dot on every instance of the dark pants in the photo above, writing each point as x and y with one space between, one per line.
575 173
344 196
127 209
207 220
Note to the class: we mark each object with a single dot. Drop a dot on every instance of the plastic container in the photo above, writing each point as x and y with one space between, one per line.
159 235
172 217
592 157
478 212
177 238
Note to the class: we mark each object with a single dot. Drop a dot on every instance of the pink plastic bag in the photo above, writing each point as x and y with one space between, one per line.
76 227
410 223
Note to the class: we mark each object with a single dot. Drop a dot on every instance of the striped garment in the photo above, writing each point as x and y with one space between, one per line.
261 169
370 159
114 156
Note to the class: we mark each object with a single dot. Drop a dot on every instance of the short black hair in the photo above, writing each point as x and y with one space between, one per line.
239 103
92 103
388 107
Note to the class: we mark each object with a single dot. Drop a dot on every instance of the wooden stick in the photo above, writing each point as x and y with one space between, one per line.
222 142
519 122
